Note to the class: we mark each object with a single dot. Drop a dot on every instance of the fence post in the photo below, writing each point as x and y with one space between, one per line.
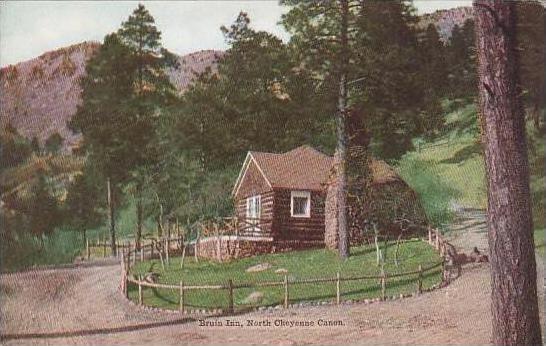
230 292
104 247
88 253
126 286
141 253
383 284
429 235
140 298
444 278
128 251
420 280
122 283
166 252
286 297
182 296
134 257
338 293
152 249
437 239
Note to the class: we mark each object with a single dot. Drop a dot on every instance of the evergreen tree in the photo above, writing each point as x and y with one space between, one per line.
434 62
366 54
83 202
257 100
54 143
462 60
14 148
124 94
323 34
104 118
153 93
530 34
514 303
35 145
44 213
397 97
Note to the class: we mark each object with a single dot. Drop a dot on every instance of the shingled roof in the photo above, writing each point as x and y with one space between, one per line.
305 168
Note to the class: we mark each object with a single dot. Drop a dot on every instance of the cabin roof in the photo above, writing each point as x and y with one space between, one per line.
305 168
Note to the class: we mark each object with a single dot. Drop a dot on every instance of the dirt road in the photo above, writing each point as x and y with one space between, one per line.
83 306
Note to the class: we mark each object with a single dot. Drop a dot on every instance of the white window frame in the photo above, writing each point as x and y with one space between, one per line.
257 201
304 194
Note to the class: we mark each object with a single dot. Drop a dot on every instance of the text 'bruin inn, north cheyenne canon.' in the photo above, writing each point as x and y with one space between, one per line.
279 322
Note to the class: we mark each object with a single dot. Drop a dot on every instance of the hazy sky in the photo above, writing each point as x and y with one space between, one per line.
30 28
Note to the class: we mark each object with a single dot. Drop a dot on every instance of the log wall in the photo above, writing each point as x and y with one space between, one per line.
291 228
266 218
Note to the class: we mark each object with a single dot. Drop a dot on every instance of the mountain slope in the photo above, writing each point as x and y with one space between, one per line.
40 95
445 20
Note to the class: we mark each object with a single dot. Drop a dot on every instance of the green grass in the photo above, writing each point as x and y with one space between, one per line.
64 245
450 171
540 242
61 247
319 263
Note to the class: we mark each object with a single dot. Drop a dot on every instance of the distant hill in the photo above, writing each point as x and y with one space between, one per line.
40 95
445 20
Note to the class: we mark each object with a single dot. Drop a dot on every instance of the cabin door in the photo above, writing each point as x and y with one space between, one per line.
253 211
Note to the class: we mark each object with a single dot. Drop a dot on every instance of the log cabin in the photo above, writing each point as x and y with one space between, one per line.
281 196
285 198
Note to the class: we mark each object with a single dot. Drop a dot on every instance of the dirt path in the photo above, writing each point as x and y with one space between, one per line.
83 306
469 230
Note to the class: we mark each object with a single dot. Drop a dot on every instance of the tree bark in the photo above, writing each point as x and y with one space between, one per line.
111 217
341 131
513 267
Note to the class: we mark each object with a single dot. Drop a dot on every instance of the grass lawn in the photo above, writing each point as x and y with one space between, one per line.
450 170
540 242
320 263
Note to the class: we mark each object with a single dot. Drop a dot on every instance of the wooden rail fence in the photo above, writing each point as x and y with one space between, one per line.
130 253
287 285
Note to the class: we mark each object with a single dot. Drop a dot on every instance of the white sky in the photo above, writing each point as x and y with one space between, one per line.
30 28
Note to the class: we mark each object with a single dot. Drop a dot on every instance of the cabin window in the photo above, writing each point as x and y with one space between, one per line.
300 204
253 207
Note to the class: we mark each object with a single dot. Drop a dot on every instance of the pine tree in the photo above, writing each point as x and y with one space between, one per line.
515 313
54 143
124 94
323 36
153 92
104 120
530 34
83 202
44 213
462 60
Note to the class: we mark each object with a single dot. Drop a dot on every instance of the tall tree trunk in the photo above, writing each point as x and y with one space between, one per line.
342 139
140 212
513 268
111 217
